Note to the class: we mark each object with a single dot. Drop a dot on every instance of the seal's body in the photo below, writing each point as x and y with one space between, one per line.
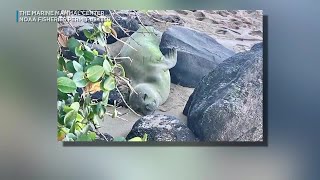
148 71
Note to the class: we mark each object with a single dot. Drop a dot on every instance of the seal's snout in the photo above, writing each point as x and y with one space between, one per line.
151 107
148 104
144 101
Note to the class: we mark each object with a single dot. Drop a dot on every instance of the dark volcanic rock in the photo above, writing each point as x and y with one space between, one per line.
227 104
198 54
161 128
130 24
113 96
186 108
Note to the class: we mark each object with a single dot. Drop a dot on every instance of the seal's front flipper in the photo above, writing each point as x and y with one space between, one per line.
170 57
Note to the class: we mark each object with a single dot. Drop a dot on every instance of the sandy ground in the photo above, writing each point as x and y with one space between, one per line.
236 30
173 106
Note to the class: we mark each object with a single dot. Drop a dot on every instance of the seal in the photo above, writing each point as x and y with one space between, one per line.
149 70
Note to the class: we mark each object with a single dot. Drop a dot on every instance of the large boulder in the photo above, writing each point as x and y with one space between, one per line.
198 54
227 104
161 128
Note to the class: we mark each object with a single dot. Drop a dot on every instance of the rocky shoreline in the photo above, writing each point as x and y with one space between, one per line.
216 84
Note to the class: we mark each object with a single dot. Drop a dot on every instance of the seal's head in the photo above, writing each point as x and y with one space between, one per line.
145 100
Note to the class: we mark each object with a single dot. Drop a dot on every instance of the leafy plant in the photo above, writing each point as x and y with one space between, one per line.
135 139
139 139
78 114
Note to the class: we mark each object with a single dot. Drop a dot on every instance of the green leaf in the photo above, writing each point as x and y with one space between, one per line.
82 61
80 125
61 74
71 136
107 26
97 61
92 135
59 67
95 52
70 118
77 132
61 63
61 120
87 34
66 85
69 67
73 127
101 40
87 100
75 106
67 109
83 137
94 73
109 83
72 44
119 139
90 115
76 97
96 121
88 55
78 51
101 112
77 66
105 97
105 29
145 137
135 139
96 108
85 129
87 48
79 117
99 27
85 121
107 67
80 80
62 96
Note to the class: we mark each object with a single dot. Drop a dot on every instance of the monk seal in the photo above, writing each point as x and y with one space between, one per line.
149 70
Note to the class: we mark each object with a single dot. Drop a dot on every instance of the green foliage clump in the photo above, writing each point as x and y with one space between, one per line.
78 114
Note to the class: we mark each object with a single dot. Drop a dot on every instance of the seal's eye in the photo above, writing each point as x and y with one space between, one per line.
145 96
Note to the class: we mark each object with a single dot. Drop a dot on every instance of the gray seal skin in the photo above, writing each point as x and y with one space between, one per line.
149 70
